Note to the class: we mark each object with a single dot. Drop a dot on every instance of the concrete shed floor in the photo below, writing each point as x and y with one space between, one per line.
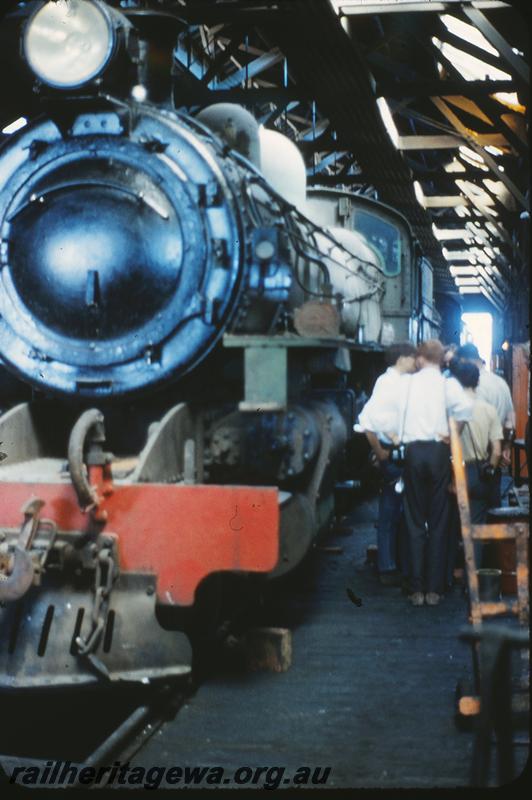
370 692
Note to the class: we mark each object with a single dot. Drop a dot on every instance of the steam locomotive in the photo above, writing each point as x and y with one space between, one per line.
193 323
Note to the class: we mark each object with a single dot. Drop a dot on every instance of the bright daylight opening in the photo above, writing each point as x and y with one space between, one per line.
478 329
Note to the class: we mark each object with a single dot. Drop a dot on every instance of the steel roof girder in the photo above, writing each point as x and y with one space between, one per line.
518 65
352 8
445 35
442 106
443 87
252 69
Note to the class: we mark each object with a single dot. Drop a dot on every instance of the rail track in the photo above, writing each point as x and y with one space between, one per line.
108 734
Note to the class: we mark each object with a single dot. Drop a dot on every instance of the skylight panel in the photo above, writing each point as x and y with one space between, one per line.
510 100
470 67
451 233
469 290
457 270
481 256
494 151
496 187
454 166
467 32
473 158
469 281
420 195
387 118
477 231
458 255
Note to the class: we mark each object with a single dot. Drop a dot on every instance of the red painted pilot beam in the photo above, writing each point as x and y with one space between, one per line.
180 533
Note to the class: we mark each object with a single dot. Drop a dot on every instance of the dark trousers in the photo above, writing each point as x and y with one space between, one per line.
495 495
426 506
390 515
481 493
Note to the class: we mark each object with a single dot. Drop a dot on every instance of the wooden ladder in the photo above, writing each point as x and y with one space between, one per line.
519 531
495 707
469 706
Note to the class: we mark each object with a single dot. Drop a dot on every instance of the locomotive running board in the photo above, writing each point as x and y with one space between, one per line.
37 637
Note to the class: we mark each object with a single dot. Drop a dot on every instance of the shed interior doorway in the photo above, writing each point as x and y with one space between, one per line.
478 329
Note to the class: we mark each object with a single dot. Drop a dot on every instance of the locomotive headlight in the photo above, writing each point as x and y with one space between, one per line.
68 43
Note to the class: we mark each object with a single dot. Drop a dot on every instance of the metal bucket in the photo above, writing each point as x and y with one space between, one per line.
489 585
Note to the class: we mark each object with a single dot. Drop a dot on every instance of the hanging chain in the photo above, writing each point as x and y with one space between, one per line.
104 575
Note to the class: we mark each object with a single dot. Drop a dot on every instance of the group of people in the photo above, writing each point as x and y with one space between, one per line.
406 421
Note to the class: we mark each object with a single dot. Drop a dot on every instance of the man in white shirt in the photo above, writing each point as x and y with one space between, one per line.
495 391
378 419
427 400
